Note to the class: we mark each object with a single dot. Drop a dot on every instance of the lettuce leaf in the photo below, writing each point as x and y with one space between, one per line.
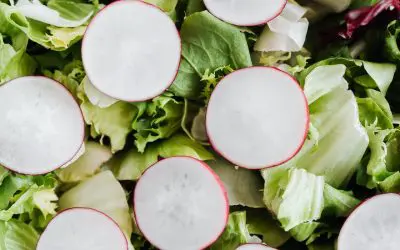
158 119
131 164
235 233
16 235
207 43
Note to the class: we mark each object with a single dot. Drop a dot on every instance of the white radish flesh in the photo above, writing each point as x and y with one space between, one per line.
180 204
245 13
254 246
131 51
373 225
82 229
257 117
42 127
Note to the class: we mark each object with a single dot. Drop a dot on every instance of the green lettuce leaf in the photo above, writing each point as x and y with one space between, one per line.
131 164
375 109
392 50
56 26
235 233
87 165
165 5
31 199
16 235
243 186
301 201
334 122
114 121
207 43
91 192
70 76
260 222
160 119
14 63
377 76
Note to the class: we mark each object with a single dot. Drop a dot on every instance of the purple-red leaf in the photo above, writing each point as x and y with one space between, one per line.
363 16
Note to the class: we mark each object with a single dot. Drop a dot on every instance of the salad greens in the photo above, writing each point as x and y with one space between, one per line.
346 66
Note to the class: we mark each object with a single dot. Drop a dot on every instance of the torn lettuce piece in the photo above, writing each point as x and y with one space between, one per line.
287 32
261 223
14 63
301 200
16 235
375 109
131 164
35 10
56 26
207 43
382 165
158 119
243 186
369 75
335 121
96 97
86 165
91 192
114 121
235 233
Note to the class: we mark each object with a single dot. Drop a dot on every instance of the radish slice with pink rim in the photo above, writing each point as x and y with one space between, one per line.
245 13
82 229
254 246
131 51
373 225
180 203
257 117
42 127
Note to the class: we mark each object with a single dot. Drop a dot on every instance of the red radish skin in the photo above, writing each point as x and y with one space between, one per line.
90 209
83 132
254 246
307 124
221 185
250 24
131 100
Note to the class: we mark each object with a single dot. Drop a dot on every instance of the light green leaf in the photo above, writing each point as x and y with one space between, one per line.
243 186
19 236
180 145
92 192
87 165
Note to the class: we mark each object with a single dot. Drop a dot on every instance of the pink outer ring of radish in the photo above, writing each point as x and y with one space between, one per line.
215 176
250 24
177 67
263 246
90 209
307 122
83 130
355 210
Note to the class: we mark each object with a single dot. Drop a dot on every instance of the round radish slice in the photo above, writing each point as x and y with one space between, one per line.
257 117
131 51
373 225
245 13
42 126
180 203
254 246
82 229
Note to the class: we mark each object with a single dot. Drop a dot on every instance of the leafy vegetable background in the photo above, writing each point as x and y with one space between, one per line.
344 54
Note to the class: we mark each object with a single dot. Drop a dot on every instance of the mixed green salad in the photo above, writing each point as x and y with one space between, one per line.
344 55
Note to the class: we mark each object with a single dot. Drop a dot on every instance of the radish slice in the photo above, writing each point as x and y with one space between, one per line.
257 117
374 224
254 246
43 127
81 229
180 203
245 13
131 51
